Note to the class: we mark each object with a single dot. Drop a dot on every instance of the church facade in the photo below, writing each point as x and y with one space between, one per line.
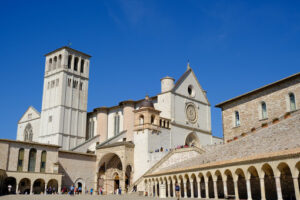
117 144
156 142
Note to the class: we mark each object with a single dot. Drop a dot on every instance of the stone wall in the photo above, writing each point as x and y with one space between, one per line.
249 108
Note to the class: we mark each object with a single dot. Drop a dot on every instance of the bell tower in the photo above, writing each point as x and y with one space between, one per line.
65 92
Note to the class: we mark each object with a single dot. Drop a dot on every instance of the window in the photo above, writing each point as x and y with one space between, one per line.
43 161
152 119
28 133
76 63
141 120
55 62
50 64
82 66
50 119
75 83
263 110
57 82
31 161
292 102
117 124
69 82
191 91
20 160
237 118
59 61
80 86
69 61
52 83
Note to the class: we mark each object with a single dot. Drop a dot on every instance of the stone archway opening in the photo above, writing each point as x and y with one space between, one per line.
182 189
286 182
192 140
195 186
52 186
220 187
24 186
38 186
229 183
211 193
171 192
202 187
254 183
10 184
110 165
269 180
241 183
128 173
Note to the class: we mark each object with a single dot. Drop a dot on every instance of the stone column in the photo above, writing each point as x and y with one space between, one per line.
215 189
236 190
296 188
185 189
262 188
59 189
199 189
31 187
45 191
174 192
248 189
225 189
17 187
192 189
278 188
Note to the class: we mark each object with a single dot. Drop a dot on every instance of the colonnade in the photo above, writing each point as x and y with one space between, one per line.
269 180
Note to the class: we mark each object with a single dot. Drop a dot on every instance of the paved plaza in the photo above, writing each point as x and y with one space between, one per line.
79 197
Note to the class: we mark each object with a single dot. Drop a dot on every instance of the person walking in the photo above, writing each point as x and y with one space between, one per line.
177 191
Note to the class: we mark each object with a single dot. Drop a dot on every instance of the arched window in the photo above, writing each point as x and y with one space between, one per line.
76 63
28 133
20 160
55 62
31 161
59 61
237 118
117 124
69 61
264 114
141 120
50 64
82 66
43 161
292 102
152 119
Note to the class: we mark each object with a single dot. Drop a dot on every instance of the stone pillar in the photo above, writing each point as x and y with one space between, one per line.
17 187
296 188
215 189
199 189
45 191
225 189
236 190
31 187
192 189
262 188
278 188
174 192
248 189
185 189
59 189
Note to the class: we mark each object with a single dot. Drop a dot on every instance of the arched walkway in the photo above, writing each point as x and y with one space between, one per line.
286 182
53 184
220 186
241 183
10 185
194 186
24 186
270 185
128 177
254 183
202 187
211 193
171 191
38 186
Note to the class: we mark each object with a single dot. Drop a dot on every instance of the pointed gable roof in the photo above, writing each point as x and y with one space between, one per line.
182 79
30 108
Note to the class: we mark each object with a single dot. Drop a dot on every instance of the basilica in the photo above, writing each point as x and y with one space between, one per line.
155 142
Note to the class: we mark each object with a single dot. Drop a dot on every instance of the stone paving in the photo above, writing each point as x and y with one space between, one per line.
80 197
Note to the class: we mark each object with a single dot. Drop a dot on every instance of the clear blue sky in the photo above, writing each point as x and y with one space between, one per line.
233 47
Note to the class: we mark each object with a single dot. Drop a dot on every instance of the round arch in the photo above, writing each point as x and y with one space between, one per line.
286 181
38 186
80 183
10 184
229 182
52 186
269 180
24 186
192 140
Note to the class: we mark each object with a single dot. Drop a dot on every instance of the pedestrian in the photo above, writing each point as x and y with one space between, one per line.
177 190
91 191
9 188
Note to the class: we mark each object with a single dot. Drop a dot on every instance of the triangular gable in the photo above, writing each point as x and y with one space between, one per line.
31 110
182 85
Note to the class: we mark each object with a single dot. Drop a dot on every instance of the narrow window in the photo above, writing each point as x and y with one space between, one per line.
75 83
76 64
117 124
20 160
43 161
50 64
55 62
80 86
69 82
31 161
59 61
28 133
263 110
141 120
152 119
292 102
237 118
82 66
69 61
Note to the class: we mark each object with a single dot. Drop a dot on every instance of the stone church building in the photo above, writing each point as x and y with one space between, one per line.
155 142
